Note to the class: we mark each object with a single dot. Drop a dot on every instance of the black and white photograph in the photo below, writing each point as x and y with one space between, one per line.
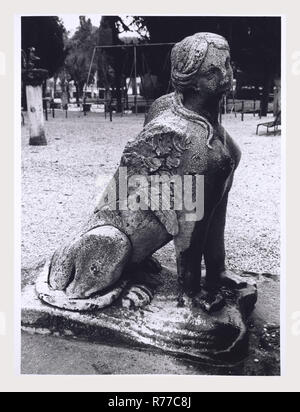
151 194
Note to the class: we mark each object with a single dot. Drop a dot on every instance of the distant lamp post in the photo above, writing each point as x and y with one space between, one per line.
33 79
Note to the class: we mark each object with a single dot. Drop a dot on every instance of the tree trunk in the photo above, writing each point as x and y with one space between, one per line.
134 86
77 94
268 81
36 116
23 97
119 94
277 97
64 94
54 87
80 88
44 89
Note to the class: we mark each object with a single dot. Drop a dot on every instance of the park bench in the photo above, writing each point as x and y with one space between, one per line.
270 125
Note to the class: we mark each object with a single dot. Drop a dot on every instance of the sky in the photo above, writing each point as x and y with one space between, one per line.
71 21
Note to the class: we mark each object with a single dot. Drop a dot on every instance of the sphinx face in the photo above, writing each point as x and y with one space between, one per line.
216 74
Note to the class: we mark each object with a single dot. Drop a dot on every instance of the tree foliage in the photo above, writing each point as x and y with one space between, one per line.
46 34
79 54
112 62
255 43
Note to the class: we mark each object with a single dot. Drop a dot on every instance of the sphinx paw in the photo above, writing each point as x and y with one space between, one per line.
209 302
137 297
184 300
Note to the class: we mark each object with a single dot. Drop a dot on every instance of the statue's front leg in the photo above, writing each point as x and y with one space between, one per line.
212 299
191 241
189 245
198 239
214 255
214 251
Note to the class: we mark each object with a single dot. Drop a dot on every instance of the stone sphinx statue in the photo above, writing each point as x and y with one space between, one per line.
112 255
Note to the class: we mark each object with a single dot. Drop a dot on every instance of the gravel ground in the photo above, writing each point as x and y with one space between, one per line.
59 187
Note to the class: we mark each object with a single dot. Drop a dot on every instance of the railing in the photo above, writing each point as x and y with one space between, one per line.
137 104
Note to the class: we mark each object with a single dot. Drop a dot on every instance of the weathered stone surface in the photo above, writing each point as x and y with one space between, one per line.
137 285
60 299
93 262
220 337
181 138
234 281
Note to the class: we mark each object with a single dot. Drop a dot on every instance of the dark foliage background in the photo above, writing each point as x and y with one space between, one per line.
255 45
46 34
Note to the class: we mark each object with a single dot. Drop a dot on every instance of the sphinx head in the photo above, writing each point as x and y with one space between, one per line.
202 63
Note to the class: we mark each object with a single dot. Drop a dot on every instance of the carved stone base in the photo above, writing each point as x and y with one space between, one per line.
220 338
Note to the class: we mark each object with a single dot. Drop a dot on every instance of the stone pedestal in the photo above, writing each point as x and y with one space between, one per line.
34 94
220 338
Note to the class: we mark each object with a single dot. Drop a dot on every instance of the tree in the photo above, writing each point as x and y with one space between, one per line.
256 48
79 55
255 43
111 61
46 34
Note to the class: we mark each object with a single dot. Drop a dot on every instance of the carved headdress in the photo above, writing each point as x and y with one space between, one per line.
188 56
